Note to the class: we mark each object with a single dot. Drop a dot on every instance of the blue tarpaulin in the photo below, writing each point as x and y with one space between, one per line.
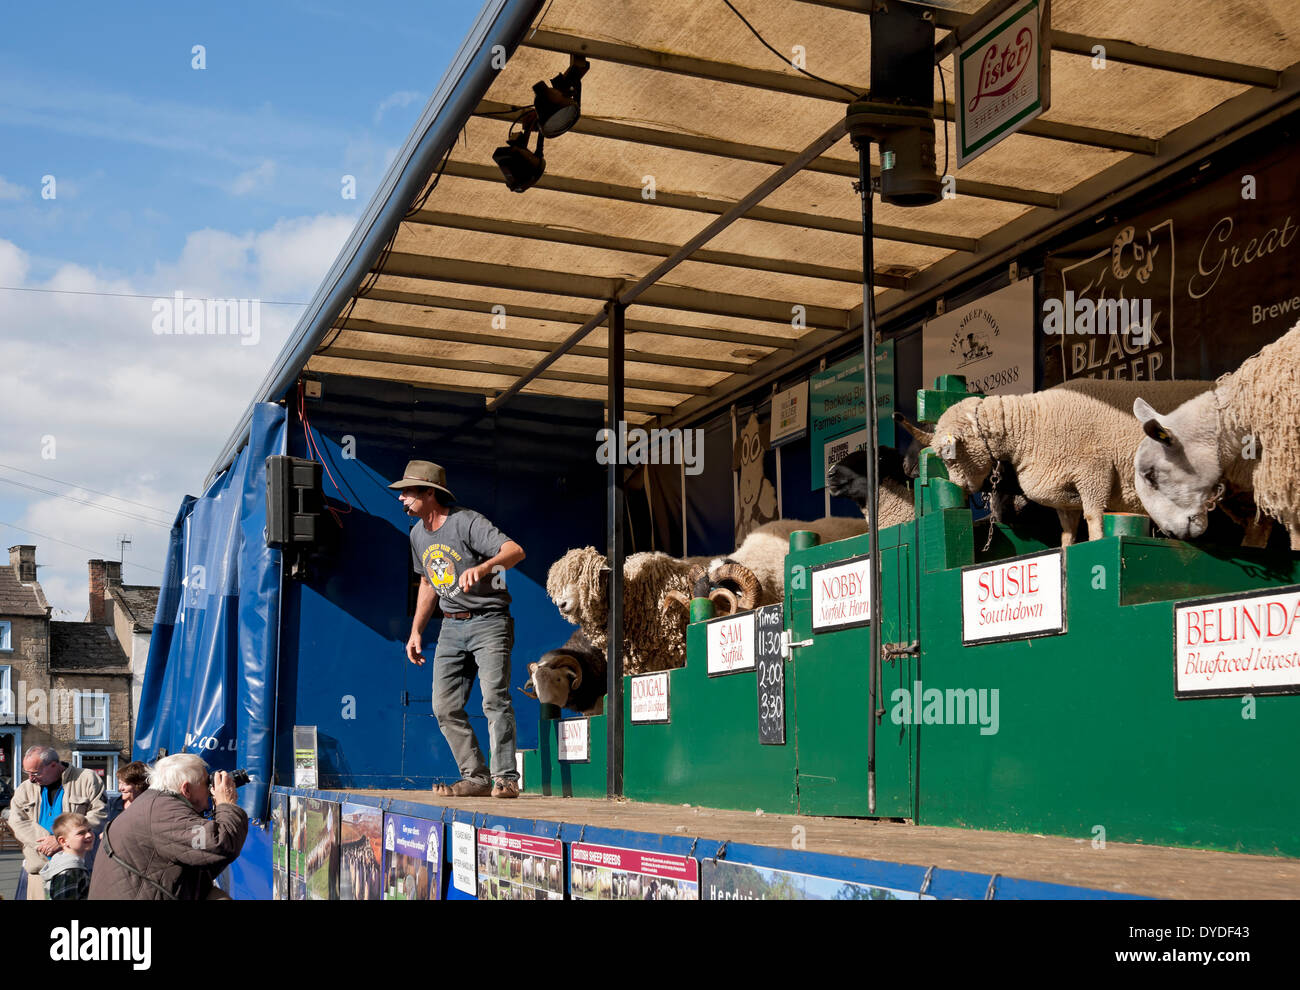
209 685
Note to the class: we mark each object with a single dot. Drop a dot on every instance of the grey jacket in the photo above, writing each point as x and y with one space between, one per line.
83 792
162 842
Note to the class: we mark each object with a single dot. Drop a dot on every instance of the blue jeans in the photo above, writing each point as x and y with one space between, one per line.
465 646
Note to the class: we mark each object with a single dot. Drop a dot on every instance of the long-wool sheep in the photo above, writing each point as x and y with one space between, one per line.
1245 435
578 584
763 551
1072 445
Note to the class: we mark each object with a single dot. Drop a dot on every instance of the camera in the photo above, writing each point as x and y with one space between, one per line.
237 777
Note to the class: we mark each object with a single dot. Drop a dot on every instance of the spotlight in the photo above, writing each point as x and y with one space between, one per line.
559 105
521 167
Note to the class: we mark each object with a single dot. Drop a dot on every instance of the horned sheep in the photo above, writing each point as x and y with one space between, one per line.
571 677
1072 445
1241 435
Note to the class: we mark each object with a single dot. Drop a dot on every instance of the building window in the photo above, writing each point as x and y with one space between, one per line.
6 637
92 716
6 696
103 764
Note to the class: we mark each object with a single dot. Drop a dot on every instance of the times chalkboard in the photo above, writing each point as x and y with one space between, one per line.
769 621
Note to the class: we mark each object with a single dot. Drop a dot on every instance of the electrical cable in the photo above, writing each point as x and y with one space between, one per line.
86 502
943 88
86 488
754 31
312 448
75 546
131 295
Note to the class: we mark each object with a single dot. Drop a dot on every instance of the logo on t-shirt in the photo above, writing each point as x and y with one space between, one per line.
439 562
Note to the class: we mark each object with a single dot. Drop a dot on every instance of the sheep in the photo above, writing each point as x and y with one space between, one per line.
1242 434
578 584
1072 445
571 677
848 478
758 564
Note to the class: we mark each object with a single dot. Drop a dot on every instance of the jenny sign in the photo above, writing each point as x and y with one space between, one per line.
1001 82
841 594
574 743
1238 644
731 644
1016 598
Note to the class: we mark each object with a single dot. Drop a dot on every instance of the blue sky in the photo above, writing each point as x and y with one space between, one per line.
224 181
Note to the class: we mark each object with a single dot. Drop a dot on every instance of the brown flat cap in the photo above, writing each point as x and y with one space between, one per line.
424 474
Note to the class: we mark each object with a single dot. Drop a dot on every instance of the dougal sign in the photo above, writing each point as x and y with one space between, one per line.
1240 644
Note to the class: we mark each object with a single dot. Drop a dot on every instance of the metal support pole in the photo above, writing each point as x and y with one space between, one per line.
863 145
614 504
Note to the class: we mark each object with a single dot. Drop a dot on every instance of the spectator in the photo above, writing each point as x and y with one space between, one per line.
132 781
52 788
65 875
161 847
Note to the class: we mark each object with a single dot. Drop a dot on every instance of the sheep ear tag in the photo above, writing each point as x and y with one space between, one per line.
1158 433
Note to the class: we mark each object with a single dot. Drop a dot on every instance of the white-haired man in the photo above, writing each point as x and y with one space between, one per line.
161 847
50 788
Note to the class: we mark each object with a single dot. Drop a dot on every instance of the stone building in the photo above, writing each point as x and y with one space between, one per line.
70 685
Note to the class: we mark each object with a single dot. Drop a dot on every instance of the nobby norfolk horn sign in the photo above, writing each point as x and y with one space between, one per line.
1013 599
1238 644
841 594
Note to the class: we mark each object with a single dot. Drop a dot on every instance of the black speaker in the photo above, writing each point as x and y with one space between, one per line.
294 503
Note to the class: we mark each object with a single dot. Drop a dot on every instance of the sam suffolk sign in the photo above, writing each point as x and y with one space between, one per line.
1239 644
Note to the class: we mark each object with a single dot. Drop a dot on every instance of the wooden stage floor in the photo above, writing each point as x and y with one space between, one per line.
1152 871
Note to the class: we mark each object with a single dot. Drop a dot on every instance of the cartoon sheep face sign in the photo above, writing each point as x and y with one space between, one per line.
757 497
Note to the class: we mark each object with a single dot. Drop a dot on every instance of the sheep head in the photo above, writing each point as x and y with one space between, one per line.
578 584
555 678
958 441
747 585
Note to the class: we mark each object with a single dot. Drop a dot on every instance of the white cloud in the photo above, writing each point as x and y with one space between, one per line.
402 98
254 179
9 190
131 412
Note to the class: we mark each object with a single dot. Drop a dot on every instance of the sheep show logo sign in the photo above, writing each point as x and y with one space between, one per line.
1002 82
1017 598
841 594
990 342
1247 644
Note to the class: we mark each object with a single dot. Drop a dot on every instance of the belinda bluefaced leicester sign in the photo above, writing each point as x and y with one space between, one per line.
1013 599
841 594
1002 81
731 644
1238 644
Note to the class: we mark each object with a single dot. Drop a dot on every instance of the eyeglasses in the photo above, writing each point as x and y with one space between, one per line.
33 774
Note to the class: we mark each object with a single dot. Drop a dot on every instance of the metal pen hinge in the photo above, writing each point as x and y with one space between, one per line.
892 651
788 644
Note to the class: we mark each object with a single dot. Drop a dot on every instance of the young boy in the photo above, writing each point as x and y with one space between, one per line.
65 875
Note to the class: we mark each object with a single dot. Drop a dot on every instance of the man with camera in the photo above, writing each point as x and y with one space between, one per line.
162 847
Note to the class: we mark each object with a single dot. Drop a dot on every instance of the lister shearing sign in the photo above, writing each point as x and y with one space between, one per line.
1001 81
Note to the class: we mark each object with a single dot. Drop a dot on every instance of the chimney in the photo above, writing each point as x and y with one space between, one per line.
23 557
102 574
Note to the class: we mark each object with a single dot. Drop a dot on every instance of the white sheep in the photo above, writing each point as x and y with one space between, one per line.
1072 445
1245 434
762 554
578 584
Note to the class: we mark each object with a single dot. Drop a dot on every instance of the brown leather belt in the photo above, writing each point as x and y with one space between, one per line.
458 615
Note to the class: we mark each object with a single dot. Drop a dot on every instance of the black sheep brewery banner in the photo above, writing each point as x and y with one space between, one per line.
1189 288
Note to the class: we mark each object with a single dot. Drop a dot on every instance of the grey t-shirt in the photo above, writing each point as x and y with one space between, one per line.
465 539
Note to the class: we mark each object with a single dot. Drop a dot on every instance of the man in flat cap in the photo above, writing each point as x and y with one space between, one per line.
459 556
